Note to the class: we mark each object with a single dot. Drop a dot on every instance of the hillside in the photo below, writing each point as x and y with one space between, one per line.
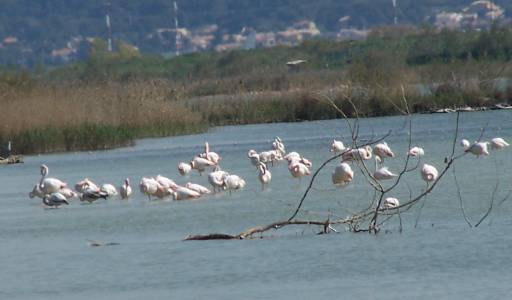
58 31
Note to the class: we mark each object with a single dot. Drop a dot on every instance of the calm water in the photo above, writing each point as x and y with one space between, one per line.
44 253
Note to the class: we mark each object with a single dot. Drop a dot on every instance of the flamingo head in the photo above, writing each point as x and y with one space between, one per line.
241 183
44 170
465 144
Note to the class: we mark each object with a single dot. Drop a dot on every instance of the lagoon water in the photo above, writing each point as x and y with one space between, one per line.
44 253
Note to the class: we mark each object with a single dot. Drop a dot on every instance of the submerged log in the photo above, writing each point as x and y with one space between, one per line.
12 159
211 236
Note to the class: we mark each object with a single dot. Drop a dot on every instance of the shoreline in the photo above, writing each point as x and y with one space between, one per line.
132 141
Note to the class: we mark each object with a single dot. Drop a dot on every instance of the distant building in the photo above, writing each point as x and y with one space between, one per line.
10 40
352 34
450 20
479 14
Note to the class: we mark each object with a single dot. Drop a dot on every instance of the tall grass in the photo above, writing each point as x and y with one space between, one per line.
81 116
50 116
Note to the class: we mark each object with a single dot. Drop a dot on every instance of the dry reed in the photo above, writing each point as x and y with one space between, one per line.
90 116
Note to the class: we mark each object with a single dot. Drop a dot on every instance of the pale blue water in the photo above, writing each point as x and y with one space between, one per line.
44 253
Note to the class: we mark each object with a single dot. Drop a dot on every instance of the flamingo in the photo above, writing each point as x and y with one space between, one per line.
278 145
148 186
216 179
36 192
342 174
182 193
384 174
198 188
429 173
200 164
337 147
296 157
49 185
264 175
163 192
270 156
85 183
416 152
390 202
465 144
292 156
125 189
109 189
68 193
357 154
479 148
233 182
382 151
498 143
254 157
55 200
90 195
184 168
298 169
165 182
210 155
306 162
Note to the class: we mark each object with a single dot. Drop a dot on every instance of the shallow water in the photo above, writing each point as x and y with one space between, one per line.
45 254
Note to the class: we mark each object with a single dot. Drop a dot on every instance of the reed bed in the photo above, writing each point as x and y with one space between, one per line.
86 115
66 117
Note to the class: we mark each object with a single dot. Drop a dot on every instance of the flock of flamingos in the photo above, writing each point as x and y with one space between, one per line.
55 192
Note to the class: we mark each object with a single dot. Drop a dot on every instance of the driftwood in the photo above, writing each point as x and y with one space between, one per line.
12 159
326 225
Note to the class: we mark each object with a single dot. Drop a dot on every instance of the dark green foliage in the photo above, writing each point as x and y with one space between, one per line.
46 25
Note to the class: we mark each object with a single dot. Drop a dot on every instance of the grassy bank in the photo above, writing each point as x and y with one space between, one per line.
66 117
110 100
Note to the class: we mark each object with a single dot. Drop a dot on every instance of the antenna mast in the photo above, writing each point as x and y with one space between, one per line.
395 20
109 26
176 28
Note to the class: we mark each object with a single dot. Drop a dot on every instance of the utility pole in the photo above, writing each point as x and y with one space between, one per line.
109 26
176 28
395 20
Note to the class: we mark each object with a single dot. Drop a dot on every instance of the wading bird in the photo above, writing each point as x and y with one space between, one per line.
416 152
198 188
109 189
498 143
125 189
337 147
384 174
479 148
233 182
182 193
390 202
216 179
357 154
382 151
49 185
148 186
54 200
429 173
264 175
184 168
342 174
200 164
